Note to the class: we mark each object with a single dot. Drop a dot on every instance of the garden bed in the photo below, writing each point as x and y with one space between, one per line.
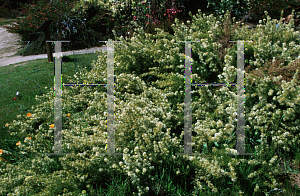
153 113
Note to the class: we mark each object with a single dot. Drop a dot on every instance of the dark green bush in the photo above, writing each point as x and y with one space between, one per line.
37 46
12 9
273 7
239 8
4 13
255 8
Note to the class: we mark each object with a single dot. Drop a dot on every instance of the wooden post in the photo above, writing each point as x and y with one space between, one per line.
45 28
48 46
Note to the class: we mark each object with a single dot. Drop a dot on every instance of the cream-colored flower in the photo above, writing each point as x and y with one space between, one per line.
144 170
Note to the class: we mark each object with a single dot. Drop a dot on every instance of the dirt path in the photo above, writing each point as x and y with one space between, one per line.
10 43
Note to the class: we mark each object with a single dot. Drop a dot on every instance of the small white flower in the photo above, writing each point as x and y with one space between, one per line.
219 123
217 134
270 92
126 150
273 159
136 148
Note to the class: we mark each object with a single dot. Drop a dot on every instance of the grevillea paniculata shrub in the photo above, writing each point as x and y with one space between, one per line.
149 116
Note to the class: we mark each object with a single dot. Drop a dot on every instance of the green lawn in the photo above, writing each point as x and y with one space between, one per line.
30 79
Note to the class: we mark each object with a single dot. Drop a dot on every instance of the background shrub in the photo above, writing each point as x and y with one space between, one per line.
12 9
84 23
65 25
37 46
274 8
255 8
239 8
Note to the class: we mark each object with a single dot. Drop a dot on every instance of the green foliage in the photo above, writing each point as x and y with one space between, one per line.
85 22
274 8
165 26
36 47
36 15
149 118
67 25
7 13
11 9
145 14
96 17
239 8
255 8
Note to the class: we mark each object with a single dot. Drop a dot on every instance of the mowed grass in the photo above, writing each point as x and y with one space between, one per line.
30 79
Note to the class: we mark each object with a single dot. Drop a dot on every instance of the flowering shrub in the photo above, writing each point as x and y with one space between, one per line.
142 12
149 117
37 14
